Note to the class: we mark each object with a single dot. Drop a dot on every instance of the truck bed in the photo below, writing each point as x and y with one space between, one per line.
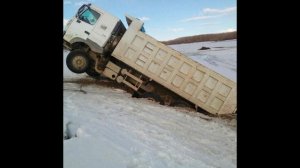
191 80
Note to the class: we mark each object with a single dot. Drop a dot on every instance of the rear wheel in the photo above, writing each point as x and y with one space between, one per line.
168 100
136 95
153 96
92 73
77 61
181 103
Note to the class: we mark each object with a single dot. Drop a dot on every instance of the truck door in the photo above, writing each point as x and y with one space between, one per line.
104 27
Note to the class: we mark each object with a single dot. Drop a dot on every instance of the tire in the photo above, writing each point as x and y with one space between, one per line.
78 61
168 100
154 97
136 95
92 73
180 103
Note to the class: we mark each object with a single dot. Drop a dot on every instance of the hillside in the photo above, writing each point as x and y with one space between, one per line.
203 37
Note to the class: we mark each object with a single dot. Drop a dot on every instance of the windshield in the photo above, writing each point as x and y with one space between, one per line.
88 15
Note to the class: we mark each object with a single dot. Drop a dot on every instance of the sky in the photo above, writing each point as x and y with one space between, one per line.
168 19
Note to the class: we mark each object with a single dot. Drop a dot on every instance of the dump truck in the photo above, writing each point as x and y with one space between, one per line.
100 45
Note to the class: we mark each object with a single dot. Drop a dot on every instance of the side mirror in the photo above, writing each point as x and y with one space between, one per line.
80 10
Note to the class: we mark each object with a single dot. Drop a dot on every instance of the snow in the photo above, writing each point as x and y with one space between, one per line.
106 127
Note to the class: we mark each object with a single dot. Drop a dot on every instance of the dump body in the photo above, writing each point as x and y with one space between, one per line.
191 80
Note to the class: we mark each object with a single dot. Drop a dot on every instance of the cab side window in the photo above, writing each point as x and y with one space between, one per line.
89 16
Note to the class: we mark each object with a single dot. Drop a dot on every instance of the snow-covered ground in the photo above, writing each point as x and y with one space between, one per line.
107 128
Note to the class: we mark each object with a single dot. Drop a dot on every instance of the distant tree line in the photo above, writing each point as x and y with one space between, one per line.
203 37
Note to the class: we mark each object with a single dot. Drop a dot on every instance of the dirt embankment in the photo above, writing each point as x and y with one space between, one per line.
203 37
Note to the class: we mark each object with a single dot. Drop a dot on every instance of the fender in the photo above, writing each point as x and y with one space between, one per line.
92 45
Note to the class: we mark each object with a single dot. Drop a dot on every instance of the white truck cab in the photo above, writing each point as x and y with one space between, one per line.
91 26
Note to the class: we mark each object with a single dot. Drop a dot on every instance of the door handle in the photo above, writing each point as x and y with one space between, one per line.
86 32
103 27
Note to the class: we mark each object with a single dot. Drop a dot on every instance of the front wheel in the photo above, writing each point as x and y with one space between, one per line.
77 61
